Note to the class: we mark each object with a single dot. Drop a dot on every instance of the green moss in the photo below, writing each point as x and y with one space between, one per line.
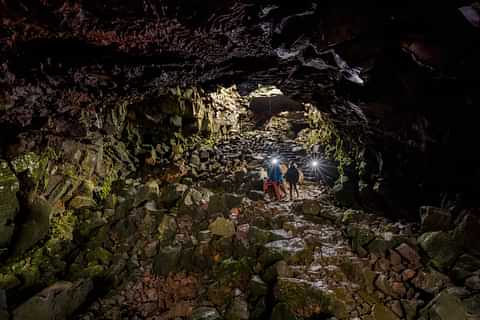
106 187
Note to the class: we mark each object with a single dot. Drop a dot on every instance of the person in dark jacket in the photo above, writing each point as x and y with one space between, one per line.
292 176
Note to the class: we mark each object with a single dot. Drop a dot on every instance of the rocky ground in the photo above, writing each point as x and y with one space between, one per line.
239 255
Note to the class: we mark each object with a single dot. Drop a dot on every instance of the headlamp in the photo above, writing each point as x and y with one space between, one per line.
274 161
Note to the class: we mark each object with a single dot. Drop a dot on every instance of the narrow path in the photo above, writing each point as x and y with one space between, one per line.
294 250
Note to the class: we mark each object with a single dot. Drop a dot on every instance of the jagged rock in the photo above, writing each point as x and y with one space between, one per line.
472 306
258 236
410 307
36 225
9 206
147 192
3 305
260 310
360 236
293 251
222 227
473 282
172 192
167 260
445 306
281 311
257 287
195 160
380 312
435 219
430 281
464 267
311 207
440 247
82 202
409 254
238 310
303 297
255 195
167 229
466 233
57 302
205 313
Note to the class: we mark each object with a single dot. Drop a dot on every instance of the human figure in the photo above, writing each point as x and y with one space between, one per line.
275 179
292 176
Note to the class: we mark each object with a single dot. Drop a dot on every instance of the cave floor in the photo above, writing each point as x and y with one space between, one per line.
282 260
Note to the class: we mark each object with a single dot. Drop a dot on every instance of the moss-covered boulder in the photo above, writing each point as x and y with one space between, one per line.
8 203
445 306
36 225
57 302
222 227
440 247
304 298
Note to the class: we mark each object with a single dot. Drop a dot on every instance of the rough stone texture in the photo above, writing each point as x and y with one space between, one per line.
36 225
435 219
380 312
57 302
8 203
440 247
205 313
445 307
222 227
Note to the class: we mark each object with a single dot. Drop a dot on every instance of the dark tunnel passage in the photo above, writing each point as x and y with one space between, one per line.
239 160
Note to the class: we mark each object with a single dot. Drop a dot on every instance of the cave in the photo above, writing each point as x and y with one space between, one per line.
150 154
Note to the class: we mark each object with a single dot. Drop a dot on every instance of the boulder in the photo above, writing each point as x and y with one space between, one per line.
36 225
57 302
281 311
311 207
9 206
409 254
167 260
171 193
82 202
445 306
466 233
464 267
205 313
147 192
435 219
303 297
222 227
472 306
380 312
238 310
255 195
257 287
440 247
360 237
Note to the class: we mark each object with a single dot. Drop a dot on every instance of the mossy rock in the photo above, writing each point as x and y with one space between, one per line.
9 205
303 297
441 248
36 226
